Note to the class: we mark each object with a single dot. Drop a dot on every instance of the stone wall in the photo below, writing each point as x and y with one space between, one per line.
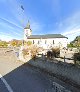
68 71
69 52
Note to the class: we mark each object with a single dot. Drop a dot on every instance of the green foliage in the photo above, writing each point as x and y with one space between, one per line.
70 45
16 43
3 44
75 42
29 43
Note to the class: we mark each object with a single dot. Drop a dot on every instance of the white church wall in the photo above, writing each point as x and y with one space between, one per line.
61 42
27 32
57 42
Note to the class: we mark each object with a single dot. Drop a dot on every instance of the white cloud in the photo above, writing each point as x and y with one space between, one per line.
72 34
10 22
72 20
36 26
70 27
18 13
74 31
6 37
11 30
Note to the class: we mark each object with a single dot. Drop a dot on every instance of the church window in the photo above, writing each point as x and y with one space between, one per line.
45 41
38 42
33 41
53 41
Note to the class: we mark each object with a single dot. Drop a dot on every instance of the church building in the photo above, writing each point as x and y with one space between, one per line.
47 40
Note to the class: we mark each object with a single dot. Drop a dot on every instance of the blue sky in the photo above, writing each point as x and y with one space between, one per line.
45 16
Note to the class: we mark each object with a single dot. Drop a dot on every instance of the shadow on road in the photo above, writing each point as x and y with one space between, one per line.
22 77
25 79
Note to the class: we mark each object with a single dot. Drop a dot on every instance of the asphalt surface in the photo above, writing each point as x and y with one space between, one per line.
19 76
2 87
22 77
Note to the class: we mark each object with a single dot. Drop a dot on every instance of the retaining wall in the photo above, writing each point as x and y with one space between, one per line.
68 71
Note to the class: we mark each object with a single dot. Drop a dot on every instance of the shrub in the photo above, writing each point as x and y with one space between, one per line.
56 52
33 56
31 50
29 43
76 57
34 52
16 43
49 54
3 44
25 52
70 45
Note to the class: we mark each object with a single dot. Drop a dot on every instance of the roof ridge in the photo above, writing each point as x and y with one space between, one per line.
47 36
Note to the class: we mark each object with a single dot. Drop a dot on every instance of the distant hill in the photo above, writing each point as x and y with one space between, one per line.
76 42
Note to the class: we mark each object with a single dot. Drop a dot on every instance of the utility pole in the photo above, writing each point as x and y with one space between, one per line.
22 8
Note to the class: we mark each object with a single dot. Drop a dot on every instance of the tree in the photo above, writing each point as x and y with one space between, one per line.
3 44
16 43
29 43
70 45
75 42
56 52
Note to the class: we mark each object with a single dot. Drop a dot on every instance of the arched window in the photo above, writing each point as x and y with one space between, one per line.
53 41
45 41
38 42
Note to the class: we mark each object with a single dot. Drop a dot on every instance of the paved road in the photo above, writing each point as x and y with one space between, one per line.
20 77
24 79
2 87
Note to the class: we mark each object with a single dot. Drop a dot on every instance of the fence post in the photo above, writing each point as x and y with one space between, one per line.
64 58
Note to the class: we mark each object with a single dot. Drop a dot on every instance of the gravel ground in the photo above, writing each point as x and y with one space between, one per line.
6 56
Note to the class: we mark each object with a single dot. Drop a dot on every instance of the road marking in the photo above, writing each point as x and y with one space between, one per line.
6 84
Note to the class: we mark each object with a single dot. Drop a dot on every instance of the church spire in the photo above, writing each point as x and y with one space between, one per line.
27 31
28 25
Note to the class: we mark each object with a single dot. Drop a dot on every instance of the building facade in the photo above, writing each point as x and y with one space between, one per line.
45 41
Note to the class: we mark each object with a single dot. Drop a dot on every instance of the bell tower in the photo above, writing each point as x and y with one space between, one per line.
27 31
